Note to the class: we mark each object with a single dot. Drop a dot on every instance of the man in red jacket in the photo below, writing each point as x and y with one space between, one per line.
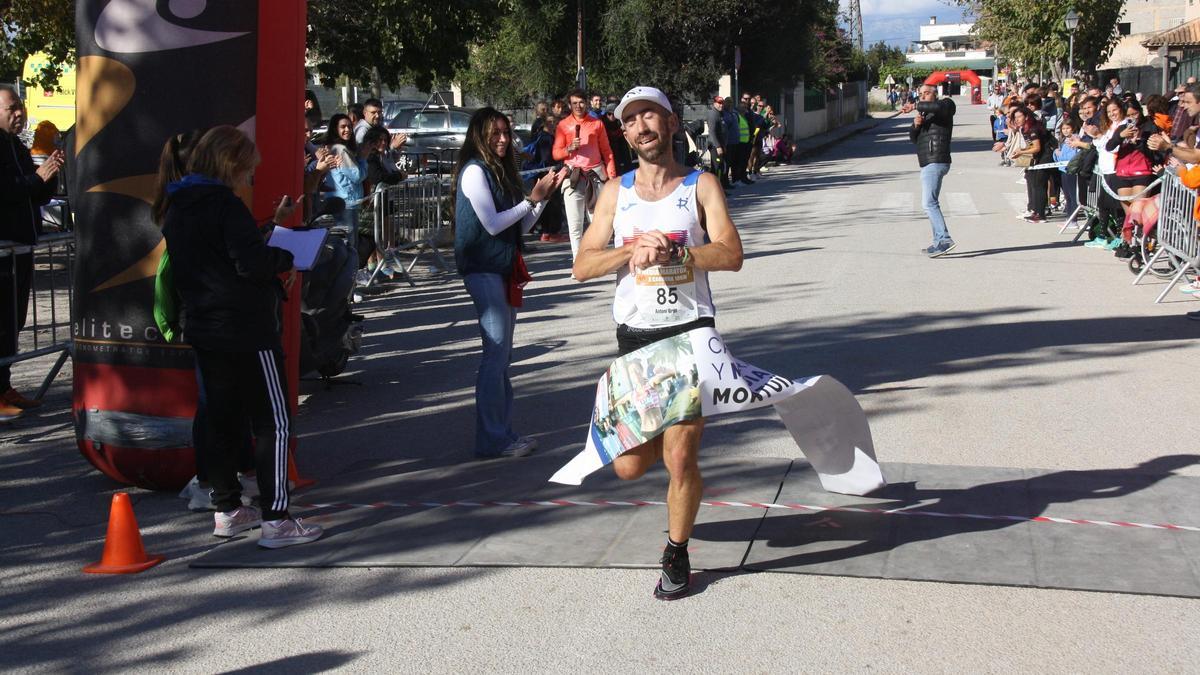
581 143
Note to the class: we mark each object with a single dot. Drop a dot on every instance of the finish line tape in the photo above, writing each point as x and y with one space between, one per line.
757 505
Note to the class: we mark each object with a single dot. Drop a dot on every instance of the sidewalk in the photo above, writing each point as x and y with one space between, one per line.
815 145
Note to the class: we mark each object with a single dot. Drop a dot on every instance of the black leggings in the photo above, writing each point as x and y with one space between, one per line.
1110 214
241 385
1036 183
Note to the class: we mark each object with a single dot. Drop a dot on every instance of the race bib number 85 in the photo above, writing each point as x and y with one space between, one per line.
666 294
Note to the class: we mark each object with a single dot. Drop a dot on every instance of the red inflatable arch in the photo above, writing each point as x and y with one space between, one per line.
965 75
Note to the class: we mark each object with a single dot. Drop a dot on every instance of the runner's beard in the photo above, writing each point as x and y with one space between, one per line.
652 153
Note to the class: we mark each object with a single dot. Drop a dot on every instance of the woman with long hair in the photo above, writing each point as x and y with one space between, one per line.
1109 215
345 179
1135 162
1039 148
172 166
491 213
228 279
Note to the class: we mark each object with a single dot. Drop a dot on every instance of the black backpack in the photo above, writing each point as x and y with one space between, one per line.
1083 164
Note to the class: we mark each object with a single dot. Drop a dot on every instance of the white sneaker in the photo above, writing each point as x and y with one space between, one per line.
249 487
281 533
186 492
238 520
521 447
199 495
1192 288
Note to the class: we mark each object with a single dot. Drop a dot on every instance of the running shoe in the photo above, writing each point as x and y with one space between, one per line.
942 248
521 447
1098 242
1025 215
676 579
281 533
1112 244
1034 218
238 520
9 413
1192 288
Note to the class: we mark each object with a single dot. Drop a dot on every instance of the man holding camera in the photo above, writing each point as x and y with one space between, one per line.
932 129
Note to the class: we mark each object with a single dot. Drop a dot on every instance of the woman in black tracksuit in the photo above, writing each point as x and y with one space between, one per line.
1040 147
227 278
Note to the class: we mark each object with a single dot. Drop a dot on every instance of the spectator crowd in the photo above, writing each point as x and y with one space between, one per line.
1115 142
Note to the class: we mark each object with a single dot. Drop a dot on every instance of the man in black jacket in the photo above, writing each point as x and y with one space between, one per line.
716 140
24 189
931 131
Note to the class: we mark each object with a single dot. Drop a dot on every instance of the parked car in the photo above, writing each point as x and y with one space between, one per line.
433 127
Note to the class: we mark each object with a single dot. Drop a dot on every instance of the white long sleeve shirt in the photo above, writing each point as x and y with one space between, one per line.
474 186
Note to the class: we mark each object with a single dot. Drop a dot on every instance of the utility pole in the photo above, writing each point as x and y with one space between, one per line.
580 74
856 25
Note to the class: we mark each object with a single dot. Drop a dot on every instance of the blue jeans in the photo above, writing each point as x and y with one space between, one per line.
493 389
931 186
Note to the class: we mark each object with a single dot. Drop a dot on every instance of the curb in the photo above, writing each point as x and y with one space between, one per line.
834 140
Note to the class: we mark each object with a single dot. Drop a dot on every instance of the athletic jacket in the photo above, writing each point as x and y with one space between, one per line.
224 271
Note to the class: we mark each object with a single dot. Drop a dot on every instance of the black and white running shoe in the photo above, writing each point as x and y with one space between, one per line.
676 579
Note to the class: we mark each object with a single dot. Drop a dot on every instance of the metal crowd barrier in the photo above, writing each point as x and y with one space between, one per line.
1087 210
47 327
409 219
1177 233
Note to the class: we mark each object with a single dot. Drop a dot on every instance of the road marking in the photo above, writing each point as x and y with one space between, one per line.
915 512
898 204
959 205
1017 200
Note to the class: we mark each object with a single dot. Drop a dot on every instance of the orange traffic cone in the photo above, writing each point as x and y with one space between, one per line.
298 482
123 551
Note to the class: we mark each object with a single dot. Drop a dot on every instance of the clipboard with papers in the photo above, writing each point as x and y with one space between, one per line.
304 245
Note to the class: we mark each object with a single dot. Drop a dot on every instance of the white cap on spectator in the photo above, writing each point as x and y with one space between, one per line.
642 94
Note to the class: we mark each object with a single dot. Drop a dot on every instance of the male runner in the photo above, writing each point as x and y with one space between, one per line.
662 214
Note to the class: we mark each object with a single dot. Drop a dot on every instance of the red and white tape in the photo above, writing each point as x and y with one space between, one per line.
757 505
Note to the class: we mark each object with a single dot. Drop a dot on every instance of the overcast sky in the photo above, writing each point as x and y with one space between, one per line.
898 22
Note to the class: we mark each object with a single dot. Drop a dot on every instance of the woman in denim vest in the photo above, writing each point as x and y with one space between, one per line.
491 214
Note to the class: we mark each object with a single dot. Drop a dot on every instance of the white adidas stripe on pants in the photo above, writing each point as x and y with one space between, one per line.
279 412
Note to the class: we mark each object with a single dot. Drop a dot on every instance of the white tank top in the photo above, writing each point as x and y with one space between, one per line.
663 295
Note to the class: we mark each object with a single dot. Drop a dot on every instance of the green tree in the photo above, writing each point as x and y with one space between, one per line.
880 55
32 26
394 42
391 42
682 47
1032 32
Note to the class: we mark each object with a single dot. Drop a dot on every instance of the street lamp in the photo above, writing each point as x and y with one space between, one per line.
1072 21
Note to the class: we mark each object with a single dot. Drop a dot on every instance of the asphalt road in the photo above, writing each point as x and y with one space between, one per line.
1017 350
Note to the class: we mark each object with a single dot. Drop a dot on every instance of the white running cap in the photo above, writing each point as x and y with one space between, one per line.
642 94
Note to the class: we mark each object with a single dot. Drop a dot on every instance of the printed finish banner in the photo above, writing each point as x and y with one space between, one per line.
693 375
149 69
